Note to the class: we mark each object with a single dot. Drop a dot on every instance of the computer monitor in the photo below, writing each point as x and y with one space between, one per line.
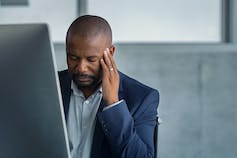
32 123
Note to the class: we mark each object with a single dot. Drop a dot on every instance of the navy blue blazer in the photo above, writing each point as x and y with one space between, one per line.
127 129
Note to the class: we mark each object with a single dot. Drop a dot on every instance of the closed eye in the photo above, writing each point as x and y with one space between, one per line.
92 59
72 57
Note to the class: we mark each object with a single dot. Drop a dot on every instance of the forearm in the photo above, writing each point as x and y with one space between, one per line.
126 138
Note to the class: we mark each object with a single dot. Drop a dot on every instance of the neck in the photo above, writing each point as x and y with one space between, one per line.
88 91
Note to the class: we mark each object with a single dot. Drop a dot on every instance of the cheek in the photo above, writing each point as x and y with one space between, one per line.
96 68
70 65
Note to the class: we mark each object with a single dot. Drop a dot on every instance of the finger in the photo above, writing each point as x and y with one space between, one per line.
105 74
107 59
104 67
112 62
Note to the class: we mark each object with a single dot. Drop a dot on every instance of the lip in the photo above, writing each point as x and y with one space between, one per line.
84 79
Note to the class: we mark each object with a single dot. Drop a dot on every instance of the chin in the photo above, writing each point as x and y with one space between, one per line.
84 84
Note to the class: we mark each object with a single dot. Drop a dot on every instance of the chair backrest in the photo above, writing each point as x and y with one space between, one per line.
156 138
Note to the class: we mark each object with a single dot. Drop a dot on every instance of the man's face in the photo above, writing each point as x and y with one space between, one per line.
83 59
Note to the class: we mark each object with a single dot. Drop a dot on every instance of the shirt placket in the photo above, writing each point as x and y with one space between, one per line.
84 124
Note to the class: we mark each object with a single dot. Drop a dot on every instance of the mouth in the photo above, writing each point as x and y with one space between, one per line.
83 78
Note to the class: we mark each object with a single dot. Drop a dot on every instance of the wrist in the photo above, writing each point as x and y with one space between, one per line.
112 101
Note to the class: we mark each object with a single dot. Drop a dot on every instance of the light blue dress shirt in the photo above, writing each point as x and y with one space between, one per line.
81 121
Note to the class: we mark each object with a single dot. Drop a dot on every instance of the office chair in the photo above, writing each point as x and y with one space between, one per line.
156 137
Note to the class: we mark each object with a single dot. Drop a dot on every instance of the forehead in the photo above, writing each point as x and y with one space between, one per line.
86 44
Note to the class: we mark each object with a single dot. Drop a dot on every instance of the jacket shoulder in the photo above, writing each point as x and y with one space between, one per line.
138 96
65 80
63 73
129 84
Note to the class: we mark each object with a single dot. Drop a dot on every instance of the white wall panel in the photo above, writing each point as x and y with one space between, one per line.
161 20
57 13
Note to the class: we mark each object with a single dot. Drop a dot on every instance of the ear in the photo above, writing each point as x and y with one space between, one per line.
112 50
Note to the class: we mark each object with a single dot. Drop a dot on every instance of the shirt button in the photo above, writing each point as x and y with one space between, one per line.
87 102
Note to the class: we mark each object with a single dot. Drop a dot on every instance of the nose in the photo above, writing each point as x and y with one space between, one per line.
81 66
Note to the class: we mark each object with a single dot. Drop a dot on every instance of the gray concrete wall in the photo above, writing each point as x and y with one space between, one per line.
198 89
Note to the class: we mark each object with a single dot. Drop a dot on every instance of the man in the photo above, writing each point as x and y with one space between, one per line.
108 114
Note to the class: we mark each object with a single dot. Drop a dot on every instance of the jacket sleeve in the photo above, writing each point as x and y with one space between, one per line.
131 135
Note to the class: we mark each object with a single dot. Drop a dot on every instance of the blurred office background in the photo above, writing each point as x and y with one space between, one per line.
187 49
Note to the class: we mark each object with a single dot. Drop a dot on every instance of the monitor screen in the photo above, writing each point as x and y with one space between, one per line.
32 123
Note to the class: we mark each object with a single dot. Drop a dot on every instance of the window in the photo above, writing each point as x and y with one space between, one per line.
161 20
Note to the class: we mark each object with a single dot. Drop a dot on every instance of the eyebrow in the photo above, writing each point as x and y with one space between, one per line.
89 56
92 56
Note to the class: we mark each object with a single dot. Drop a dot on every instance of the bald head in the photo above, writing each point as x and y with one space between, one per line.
89 26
